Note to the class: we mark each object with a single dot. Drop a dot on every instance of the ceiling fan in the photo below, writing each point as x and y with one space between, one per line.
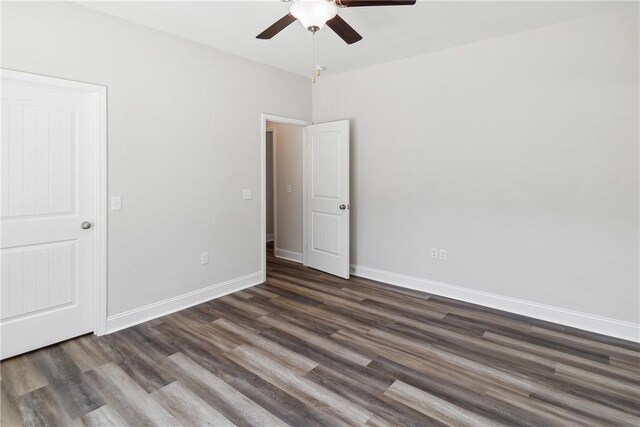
314 14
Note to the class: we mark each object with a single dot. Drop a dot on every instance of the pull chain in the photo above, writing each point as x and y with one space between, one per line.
317 68
316 46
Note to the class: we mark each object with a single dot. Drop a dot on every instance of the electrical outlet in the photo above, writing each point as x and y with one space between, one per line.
434 253
442 255
204 258
289 188
246 194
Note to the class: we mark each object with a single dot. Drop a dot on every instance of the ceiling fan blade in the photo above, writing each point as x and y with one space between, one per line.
366 3
279 25
344 30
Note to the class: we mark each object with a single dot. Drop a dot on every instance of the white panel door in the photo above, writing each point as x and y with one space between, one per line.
48 161
326 213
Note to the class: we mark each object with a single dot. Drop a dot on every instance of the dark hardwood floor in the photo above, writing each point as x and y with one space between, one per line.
307 349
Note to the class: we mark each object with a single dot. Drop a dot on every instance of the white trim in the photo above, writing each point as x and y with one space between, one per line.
274 186
288 255
100 221
263 179
576 319
171 305
305 184
49 81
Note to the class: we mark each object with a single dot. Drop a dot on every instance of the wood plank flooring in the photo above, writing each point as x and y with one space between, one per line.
309 349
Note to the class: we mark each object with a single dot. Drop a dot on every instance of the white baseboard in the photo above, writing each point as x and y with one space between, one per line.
161 308
270 238
590 322
288 255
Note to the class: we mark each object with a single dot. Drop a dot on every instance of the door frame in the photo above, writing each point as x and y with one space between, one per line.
264 118
273 182
99 93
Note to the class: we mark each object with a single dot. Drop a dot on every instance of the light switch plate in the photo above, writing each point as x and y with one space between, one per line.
246 194
204 258
289 188
116 203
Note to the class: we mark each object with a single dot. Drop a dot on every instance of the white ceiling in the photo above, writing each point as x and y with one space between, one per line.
390 33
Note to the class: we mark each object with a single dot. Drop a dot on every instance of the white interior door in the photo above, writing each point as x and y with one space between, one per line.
326 212
48 161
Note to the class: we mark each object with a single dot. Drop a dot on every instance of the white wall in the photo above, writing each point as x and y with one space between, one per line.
184 135
288 165
519 155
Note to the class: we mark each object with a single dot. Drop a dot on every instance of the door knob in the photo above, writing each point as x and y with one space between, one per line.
86 225
343 207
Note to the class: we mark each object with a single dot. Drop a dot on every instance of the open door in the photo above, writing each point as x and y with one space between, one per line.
326 210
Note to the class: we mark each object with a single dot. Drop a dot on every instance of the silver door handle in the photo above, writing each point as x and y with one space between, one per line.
86 225
343 207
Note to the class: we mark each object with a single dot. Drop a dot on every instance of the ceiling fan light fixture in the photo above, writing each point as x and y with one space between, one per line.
313 14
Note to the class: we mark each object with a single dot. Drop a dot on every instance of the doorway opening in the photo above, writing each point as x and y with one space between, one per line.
322 151
283 190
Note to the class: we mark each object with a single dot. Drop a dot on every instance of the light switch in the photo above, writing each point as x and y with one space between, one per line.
246 194
116 203
289 188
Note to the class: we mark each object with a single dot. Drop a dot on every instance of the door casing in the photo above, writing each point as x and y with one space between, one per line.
273 182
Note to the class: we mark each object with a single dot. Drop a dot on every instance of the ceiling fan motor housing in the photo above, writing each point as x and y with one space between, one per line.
313 14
